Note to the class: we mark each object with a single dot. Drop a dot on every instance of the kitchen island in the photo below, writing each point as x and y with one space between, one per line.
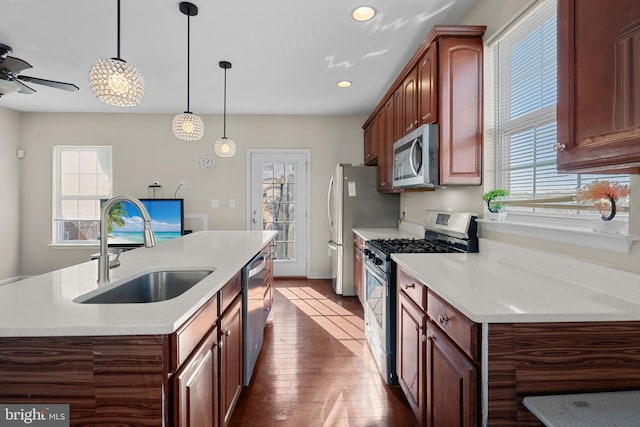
507 323
131 364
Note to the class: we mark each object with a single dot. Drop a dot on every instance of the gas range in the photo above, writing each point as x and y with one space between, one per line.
444 232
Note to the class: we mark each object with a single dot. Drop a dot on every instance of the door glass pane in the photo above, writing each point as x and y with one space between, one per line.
278 206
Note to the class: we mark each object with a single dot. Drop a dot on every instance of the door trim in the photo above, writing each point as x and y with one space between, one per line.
307 199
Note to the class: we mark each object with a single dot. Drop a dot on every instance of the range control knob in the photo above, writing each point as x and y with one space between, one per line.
377 261
367 252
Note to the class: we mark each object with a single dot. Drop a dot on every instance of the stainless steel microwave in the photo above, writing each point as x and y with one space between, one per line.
415 158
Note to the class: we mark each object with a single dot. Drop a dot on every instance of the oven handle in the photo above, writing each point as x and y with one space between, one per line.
411 161
375 273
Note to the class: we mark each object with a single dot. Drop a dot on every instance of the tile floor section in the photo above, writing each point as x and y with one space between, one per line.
315 368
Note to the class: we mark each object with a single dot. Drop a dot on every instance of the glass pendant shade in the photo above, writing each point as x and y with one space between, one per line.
224 147
116 82
188 126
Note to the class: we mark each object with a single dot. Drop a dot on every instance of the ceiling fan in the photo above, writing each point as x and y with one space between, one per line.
11 81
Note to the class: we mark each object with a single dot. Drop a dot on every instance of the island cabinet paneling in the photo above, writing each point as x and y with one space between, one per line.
230 324
598 86
119 380
195 386
556 358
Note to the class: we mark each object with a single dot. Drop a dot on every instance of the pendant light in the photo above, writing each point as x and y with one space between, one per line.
188 126
116 82
225 147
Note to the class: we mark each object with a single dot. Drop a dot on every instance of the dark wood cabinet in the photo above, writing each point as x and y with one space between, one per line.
196 386
460 110
598 86
358 267
441 83
427 86
230 325
371 144
409 89
410 357
452 383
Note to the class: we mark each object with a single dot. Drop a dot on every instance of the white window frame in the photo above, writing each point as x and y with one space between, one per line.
581 230
57 224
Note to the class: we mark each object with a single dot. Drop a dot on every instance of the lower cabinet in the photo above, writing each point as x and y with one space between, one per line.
452 383
230 324
358 267
411 354
437 357
196 386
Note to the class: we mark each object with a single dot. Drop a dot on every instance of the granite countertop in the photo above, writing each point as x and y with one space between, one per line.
505 284
406 231
619 408
43 305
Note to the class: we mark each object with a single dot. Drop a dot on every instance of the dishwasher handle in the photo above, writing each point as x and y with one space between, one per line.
254 271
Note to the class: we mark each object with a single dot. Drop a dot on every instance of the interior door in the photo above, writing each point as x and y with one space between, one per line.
279 198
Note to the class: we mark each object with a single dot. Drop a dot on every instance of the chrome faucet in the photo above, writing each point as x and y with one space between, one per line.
149 237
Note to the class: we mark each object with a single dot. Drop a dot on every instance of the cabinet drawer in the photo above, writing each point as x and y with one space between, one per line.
413 288
189 335
229 292
458 327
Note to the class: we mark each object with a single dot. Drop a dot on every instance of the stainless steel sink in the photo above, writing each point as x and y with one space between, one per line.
149 287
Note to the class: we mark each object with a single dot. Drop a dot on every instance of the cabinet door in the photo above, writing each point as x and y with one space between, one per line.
410 362
460 110
196 386
385 149
598 86
427 87
452 383
398 116
230 324
370 150
410 100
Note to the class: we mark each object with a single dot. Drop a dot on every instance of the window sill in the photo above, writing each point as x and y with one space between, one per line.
74 245
579 232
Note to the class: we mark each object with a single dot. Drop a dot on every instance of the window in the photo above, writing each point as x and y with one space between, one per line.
81 177
524 87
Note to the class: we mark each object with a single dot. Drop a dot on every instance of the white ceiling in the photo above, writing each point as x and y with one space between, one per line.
287 55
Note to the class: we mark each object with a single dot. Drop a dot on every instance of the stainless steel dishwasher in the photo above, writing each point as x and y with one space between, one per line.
253 321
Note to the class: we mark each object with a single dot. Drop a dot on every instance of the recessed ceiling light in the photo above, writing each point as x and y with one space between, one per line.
363 13
343 83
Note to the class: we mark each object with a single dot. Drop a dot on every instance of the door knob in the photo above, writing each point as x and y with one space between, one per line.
254 220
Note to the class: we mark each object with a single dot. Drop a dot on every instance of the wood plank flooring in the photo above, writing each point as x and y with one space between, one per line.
315 368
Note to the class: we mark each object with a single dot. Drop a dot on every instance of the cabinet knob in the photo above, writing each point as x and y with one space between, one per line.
424 338
559 147
227 332
442 319
221 344
410 286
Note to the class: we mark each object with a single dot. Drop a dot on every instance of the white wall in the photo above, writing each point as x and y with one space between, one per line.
144 150
495 14
10 165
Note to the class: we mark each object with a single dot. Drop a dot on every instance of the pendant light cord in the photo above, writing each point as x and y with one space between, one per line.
224 121
118 55
188 59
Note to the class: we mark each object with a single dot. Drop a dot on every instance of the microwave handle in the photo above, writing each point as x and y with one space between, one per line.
411 151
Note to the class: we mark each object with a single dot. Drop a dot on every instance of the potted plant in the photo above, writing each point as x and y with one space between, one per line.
495 209
603 195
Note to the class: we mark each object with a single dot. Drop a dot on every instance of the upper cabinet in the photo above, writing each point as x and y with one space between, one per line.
441 83
598 86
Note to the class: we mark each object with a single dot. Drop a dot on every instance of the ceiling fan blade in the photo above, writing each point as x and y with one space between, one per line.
52 83
14 65
23 88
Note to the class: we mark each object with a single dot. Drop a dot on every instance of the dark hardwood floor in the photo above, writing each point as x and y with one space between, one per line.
315 368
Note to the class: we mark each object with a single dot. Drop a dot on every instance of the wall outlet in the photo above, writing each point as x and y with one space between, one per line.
232 203
215 203
404 211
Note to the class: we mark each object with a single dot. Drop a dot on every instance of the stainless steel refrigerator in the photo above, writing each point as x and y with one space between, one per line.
353 201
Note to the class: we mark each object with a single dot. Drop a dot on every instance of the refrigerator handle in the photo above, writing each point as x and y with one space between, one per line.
332 245
331 184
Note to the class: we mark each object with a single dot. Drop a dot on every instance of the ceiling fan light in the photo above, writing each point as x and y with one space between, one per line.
116 82
224 147
188 126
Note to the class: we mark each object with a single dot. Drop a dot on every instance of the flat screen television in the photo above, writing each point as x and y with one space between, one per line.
167 221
